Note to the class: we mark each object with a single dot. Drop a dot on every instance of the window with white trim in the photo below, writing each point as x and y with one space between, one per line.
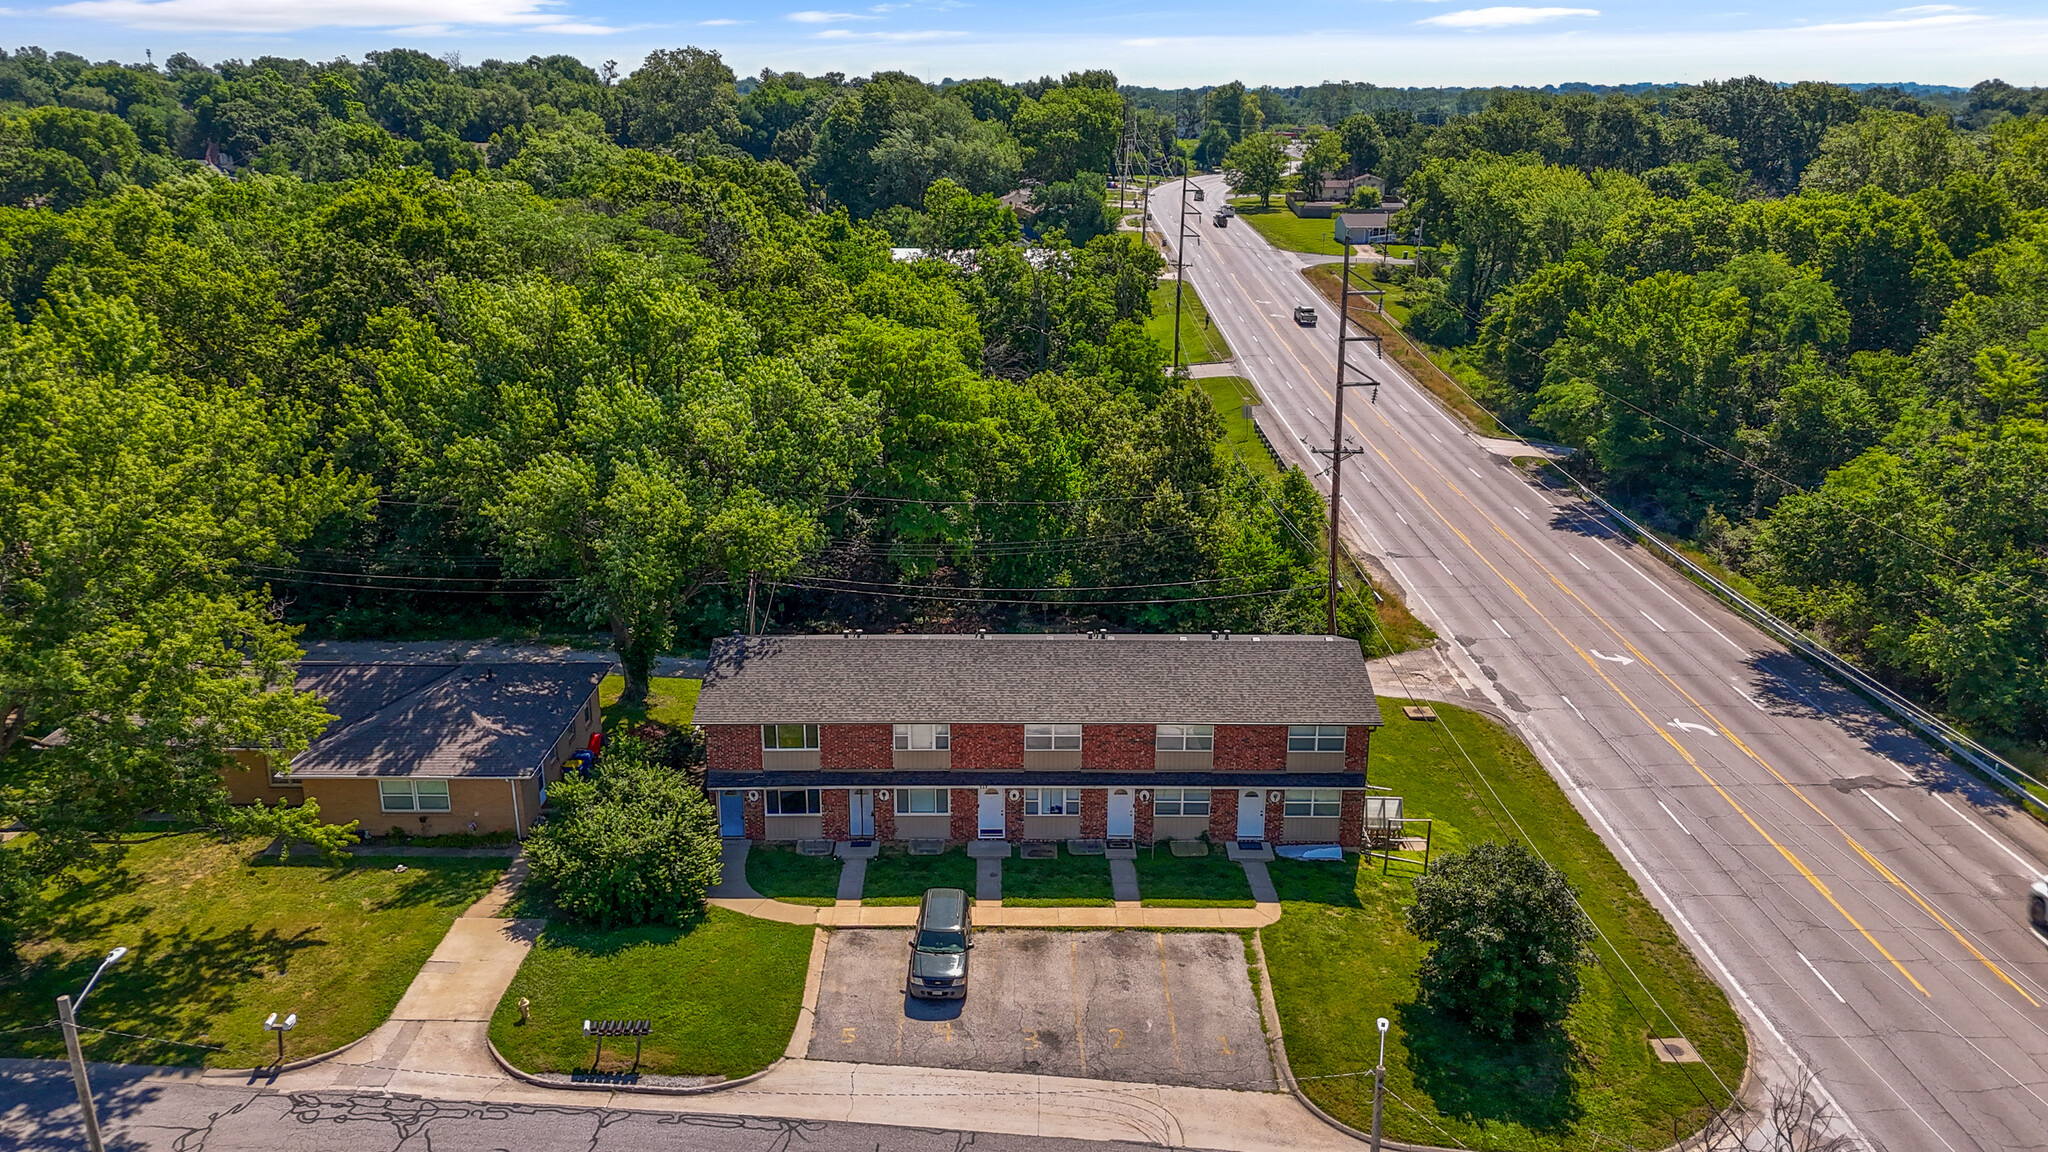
923 801
1315 737
789 737
1052 737
924 737
1180 801
793 802
1185 738
1052 801
1313 802
413 795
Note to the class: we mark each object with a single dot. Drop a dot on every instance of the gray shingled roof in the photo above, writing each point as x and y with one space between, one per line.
476 719
1047 678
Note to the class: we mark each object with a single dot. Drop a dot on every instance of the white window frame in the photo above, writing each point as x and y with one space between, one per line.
1044 801
1315 737
1313 802
941 799
1184 737
1178 801
772 735
414 795
923 737
1052 737
773 797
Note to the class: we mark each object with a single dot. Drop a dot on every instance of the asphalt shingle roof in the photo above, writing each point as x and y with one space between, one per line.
432 720
1039 678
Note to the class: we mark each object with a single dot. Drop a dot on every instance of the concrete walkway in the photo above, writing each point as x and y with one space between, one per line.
988 882
853 878
1215 368
1123 880
1261 881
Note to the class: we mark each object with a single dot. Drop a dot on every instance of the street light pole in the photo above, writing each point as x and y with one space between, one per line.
68 1017
1379 1085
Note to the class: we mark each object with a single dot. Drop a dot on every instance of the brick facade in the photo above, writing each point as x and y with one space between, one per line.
1276 812
1094 813
1222 814
834 806
885 814
1117 747
988 746
1251 748
756 813
858 746
732 747
1013 815
965 813
1357 747
1351 817
1141 816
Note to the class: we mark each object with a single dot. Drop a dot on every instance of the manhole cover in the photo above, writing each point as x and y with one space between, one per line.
1418 712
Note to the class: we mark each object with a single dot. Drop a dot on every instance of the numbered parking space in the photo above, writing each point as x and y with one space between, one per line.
1167 1008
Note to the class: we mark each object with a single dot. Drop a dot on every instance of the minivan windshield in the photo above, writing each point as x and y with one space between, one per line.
930 941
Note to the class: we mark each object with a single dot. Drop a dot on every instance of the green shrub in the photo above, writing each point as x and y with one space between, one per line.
1508 938
637 845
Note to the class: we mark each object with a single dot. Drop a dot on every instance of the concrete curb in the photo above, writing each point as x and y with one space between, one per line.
273 1071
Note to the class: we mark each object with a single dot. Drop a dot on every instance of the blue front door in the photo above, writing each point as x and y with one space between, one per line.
732 815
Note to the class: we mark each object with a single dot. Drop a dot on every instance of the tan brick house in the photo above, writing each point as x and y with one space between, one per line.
1039 737
434 748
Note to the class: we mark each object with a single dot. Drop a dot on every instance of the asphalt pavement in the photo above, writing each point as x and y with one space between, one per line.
1861 899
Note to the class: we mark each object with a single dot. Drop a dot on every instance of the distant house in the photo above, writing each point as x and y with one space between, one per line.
434 748
1365 227
1020 202
1039 737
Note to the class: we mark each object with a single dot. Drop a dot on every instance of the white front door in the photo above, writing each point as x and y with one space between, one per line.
990 814
860 814
1121 824
1251 816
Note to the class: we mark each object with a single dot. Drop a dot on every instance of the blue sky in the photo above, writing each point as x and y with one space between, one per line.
1389 42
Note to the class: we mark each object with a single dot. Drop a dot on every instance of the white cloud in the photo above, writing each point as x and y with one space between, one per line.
890 37
721 23
886 7
1505 17
295 15
816 17
1894 25
1929 9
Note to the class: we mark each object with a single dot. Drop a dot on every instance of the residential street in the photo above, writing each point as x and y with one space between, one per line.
1861 900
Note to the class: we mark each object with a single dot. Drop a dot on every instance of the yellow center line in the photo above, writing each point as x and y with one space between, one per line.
1683 752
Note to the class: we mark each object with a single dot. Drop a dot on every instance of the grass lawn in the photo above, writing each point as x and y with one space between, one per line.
779 872
1230 394
1201 341
1212 881
1340 956
1065 880
723 994
671 700
1283 229
897 877
1449 374
218 939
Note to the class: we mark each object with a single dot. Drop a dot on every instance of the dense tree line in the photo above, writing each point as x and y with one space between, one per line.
1808 331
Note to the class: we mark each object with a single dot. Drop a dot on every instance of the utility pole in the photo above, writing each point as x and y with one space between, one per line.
86 1110
1337 451
1379 1085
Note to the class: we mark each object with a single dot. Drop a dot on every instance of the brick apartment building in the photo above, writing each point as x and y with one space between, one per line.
1039 737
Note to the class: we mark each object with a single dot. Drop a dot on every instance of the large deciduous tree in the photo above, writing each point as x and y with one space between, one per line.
1256 164
1507 938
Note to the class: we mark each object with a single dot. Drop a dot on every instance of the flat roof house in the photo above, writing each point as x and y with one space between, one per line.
434 748
1039 737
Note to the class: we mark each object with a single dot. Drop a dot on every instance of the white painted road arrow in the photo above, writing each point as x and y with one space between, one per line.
1684 727
1610 659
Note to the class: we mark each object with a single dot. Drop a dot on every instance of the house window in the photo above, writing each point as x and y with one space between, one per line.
1052 737
924 737
1052 801
923 801
1314 802
793 802
789 737
1315 737
1180 802
413 795
1185 738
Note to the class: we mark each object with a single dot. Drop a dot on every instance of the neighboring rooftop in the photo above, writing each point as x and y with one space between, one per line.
471 719
1011 678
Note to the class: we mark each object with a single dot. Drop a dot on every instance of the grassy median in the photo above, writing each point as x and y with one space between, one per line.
722 993
1200 340
1341 955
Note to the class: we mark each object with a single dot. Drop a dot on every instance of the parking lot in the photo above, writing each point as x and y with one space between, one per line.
1166 1008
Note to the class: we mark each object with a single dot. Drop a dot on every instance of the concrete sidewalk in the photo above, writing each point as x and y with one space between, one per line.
904 915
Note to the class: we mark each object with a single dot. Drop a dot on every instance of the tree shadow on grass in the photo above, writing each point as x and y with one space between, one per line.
1478 1078
431 881
594 941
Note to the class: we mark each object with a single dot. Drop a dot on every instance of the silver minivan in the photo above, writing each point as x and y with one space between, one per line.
938 947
